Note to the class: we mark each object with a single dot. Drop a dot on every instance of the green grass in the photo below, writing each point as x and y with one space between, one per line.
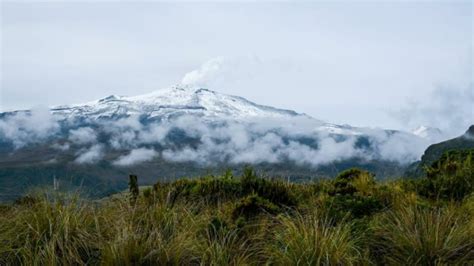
247 220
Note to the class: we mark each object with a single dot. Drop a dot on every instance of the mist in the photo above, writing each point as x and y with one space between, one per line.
302 140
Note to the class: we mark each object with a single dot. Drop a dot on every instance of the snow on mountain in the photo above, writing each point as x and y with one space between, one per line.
175 101
183 124
430 133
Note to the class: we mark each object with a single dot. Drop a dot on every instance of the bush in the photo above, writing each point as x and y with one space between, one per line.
353 181
353 193
253 205
213 190
339 206
275 191
451 177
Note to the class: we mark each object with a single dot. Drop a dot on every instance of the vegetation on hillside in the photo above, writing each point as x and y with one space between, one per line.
248 220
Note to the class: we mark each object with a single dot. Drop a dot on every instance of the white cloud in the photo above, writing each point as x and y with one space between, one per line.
83 135
276 141
223 71
91 155
23 128
136 156
451 109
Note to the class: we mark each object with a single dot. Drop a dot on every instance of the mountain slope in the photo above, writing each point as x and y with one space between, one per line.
463 142
435 151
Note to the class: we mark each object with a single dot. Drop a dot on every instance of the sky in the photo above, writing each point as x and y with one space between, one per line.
377 64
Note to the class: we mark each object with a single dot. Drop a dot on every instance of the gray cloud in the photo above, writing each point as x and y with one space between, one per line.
62 147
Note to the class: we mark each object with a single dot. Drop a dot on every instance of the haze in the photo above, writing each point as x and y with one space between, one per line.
393 65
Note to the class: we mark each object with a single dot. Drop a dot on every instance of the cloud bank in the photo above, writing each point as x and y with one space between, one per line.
22 128
186 138
302 141
450 109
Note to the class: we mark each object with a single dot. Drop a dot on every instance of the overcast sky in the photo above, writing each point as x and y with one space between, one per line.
392 64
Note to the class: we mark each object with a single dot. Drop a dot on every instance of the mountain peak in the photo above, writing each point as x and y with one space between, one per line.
110 98
470 132
172 102
427 132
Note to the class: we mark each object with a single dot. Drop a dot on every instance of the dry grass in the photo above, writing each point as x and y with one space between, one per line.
155 230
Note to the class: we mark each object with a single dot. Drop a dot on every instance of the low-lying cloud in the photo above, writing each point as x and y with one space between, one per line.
301 140
136 156
22 128
91 155
84 135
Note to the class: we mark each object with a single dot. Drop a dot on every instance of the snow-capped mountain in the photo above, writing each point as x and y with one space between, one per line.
185 131
172 102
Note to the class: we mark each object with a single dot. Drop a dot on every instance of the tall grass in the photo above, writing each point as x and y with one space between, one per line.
151 235
53 233
313 240
413 235
352 220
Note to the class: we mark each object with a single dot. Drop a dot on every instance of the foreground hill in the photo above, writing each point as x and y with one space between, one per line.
246 219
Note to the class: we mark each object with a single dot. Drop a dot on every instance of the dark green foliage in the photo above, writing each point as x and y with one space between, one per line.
450 177
275 191
213 190
27 200
344 182
353 193
253 205
210 189
133 188
357 206
215 227
436 151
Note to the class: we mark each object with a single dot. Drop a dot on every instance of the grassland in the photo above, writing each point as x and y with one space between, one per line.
250 220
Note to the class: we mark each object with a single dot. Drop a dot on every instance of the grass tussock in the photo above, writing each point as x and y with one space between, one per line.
424 236
248 220
313 240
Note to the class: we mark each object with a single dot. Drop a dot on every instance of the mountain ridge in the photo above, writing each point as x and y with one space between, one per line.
177 99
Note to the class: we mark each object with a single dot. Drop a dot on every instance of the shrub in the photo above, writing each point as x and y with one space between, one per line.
275 191
357 206
353 181
213 190
353 193
253 205
133 188
451 177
